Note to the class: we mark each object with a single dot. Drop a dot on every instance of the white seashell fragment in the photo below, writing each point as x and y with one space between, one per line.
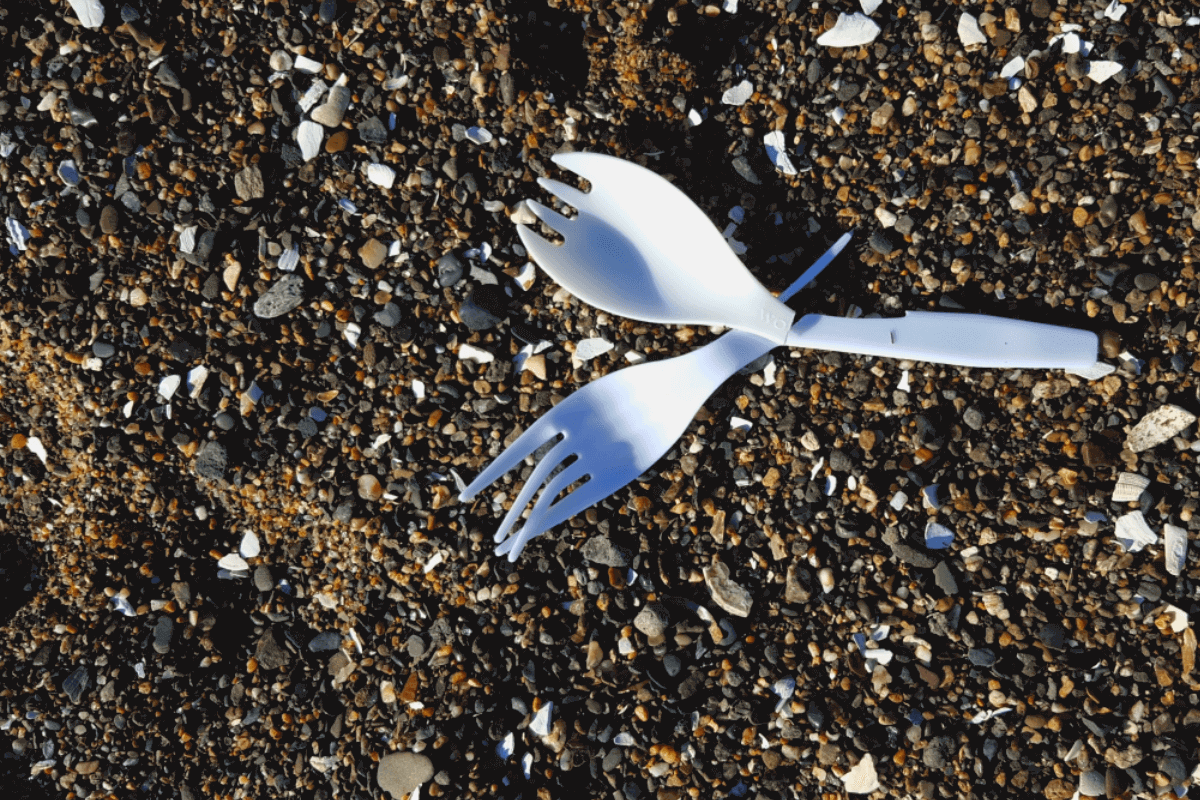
969 33
479 135
35 446
352 332
1100 71
468 352
234 563
1013 68
168 385
588 349
729 6
313 95
90 12
738 424
121 604
68 172
1133 533
870 6
306 64
838 115
938 537
623 739
784 687
1175 548
634 357
418 388
309 136
381 175
694 118
1116 9
1159 426
525 276
831 483
187 239
850 30
540 725
1095 372
289 259
984 716
777 152
431 564
1129 487
862 779
249 548
505 747
904 385
18 234
739 94
195 380
929 498
898 501
526 770
1177 616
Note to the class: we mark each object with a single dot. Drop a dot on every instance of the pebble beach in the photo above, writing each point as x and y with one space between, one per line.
264 314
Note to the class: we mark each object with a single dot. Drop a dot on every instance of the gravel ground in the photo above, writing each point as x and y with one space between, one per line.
248 245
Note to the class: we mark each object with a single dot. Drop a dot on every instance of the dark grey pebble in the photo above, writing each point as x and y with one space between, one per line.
691 684
388 316
1053 635
285 295
904 225
672 664
449 270
224 421
742 167
981 656
974 418
110 219
103 350
940 752
75 684
372 131
210 461
164 631
327 12
324 642
476 318
600 550
880 243
270 653
1146 281
612 760
416 646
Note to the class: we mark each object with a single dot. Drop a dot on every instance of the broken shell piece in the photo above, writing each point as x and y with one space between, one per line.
234 563
90 12
1177 618
938 537
479 135
34 445
1159 426
1100 71
777 152
984 716
309 135
381 175
195 380
1133 533
738 95
1129 487
1014 67
1175 548
540 725
969 33
525 276
850 30
168 385
468 352
588 349
862 779
249 548
725 593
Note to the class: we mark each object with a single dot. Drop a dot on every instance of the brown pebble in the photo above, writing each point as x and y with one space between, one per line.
1094 455
1110 344
372 253
866 440
337 142
87 767
369 488
110 219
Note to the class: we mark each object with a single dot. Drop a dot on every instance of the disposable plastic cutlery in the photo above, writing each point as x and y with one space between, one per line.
614 429
640 248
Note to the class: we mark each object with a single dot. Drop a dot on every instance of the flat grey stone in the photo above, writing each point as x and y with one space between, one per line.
944 577
325 642
248 183
652 620
210 461
400 773
600 550
285 295
388 316
476 318
450 270
75 684
270 653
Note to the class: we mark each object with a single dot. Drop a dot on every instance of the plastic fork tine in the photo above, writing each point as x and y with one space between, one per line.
538 248
554 220
536 478
546 515
565 192
538 434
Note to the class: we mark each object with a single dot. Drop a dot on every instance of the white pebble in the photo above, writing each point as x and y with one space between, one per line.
526 275
195 380
309 135
1013 68
1100 71
249 548
468 352
306 64
90 12
1133 533
479 135
1175 548
540 725
281 61
870 6
588 349
851 30
35 446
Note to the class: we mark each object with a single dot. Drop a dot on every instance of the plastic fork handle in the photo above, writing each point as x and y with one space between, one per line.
964 340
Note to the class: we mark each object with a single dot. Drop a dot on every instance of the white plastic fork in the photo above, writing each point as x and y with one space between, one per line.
640 248
613 429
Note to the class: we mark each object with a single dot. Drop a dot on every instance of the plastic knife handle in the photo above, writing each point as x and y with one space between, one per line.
964 340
